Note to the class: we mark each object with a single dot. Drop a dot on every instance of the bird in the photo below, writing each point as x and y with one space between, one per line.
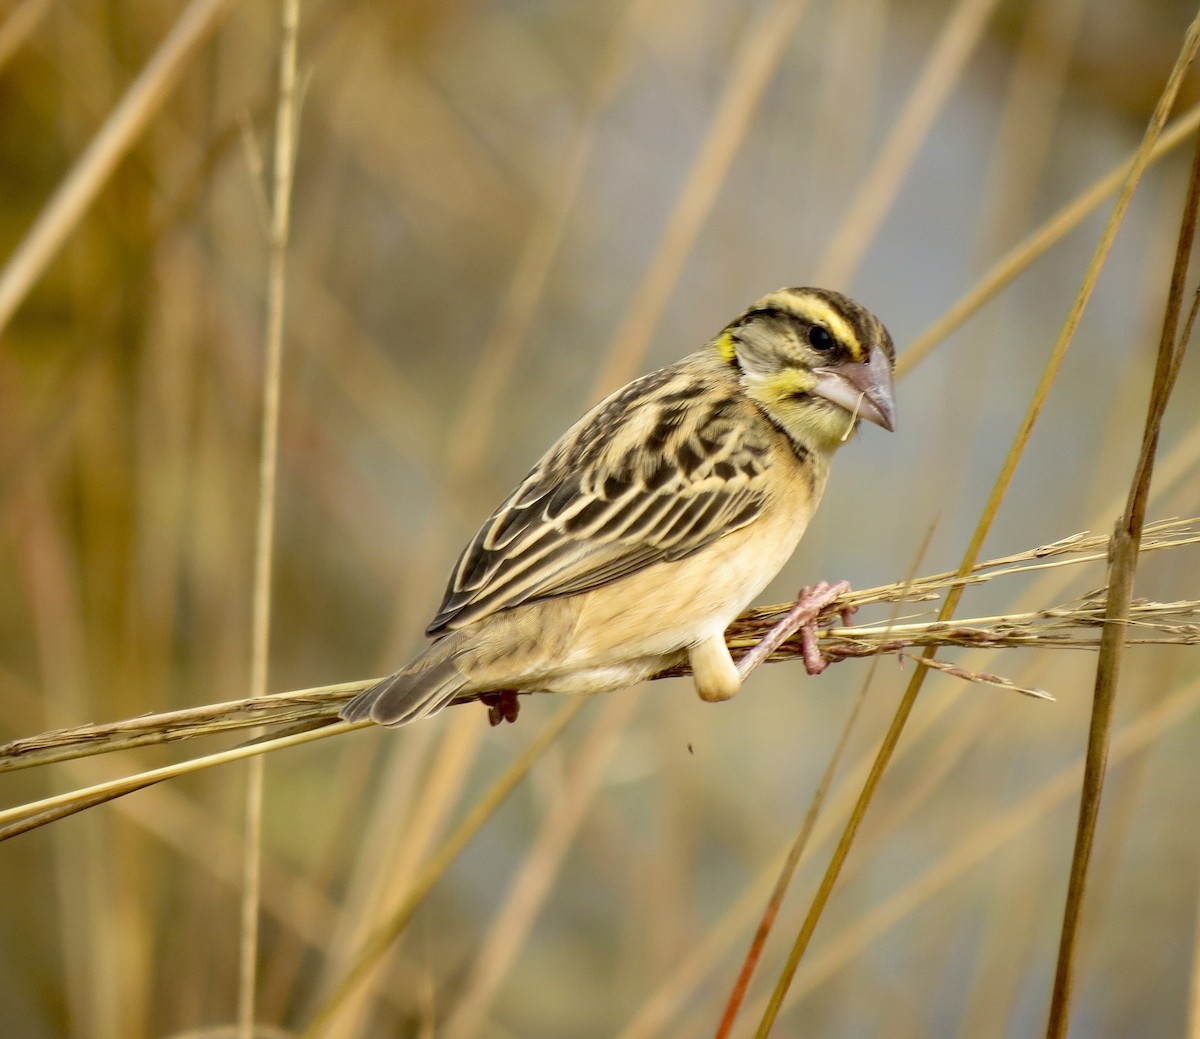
656 519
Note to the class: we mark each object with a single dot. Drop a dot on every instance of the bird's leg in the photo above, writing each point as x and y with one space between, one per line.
502 705
802 617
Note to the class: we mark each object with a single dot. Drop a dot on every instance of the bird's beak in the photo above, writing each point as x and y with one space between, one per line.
864 390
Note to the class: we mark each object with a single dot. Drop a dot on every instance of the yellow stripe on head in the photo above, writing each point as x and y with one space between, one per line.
782 328
811 306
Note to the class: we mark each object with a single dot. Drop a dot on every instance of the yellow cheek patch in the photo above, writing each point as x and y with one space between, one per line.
726 347
783 384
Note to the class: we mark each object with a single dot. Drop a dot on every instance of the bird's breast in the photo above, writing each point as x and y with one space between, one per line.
676 604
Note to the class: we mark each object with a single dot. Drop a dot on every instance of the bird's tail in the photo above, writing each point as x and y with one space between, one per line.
423 688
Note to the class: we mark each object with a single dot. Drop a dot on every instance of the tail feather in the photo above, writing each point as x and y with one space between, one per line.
407 696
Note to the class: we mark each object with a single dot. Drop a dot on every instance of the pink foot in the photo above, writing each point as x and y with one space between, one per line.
802 617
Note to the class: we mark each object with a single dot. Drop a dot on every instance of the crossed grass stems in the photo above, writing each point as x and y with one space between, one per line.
1074 624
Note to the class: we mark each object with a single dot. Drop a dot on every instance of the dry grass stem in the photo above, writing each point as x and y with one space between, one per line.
987 518
801 842
18 25
268 480
1036 244
982 677
500 211
939 76
983 840
1118 607
19 819
78 190
382 939
758 57
1073 625
532 884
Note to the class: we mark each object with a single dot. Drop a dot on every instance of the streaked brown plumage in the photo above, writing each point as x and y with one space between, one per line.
657 517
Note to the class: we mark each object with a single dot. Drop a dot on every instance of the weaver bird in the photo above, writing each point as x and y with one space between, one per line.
656 519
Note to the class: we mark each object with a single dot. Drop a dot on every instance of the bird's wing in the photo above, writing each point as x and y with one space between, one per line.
654 473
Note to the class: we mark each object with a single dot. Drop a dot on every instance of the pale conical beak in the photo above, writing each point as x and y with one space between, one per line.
864 390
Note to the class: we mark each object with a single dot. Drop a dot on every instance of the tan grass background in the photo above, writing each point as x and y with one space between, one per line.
500 211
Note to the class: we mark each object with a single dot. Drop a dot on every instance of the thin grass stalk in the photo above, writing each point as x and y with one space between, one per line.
383 938
750 70
531 885
183 825
1072 625
685 982
984 841
1025 136
788 871
991 509
792 862
1123 559
14 820
19 26
260 637
50 576
414 806
471 430
66 207
1037 243
940 74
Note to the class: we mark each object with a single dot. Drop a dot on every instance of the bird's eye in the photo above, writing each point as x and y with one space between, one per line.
820 338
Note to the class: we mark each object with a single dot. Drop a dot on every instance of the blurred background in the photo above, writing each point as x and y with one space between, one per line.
502 211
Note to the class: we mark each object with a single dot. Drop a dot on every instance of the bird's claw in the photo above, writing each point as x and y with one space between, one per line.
804 617
503 706
811 609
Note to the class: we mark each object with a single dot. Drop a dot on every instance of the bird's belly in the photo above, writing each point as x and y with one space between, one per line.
627 630
603 679
670 606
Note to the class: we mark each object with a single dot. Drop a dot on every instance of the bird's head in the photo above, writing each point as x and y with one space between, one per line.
816 363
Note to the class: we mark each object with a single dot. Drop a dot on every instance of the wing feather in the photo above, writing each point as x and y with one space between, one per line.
654 473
